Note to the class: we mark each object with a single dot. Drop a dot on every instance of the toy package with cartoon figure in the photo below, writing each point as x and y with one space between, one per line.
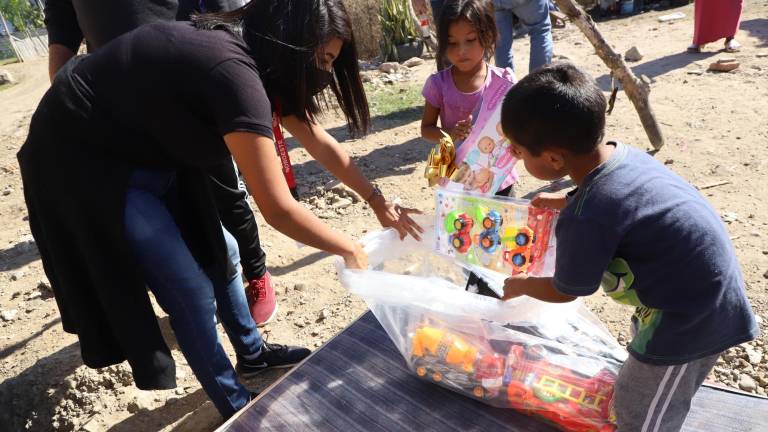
553 361
501 234
483 163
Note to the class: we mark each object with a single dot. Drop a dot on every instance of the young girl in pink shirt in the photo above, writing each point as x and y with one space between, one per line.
466 38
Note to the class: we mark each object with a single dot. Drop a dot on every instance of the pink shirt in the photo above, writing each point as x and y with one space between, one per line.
440 91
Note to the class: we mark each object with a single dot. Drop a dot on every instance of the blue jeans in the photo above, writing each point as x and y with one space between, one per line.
186 293
535 15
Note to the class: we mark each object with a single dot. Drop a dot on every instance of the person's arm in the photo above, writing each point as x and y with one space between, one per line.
326 150
549 200
539 288
255 156
432 133
64 33
58 55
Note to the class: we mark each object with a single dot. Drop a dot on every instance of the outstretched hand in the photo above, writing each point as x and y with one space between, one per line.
394 216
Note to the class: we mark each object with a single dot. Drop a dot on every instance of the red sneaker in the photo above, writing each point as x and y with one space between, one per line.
261 299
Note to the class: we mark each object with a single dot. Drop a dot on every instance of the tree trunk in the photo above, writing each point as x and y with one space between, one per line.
636 89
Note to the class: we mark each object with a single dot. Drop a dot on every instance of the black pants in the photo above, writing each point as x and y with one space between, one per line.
476 282
237 217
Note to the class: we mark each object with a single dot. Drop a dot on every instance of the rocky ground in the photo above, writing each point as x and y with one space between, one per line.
717 138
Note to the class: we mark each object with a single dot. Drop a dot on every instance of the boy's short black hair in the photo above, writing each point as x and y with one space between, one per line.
557 105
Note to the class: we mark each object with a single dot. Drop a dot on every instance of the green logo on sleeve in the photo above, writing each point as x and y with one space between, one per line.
617 284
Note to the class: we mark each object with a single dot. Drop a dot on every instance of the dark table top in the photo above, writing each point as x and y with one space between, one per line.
359 381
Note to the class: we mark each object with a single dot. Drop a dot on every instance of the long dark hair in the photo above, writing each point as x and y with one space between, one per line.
283 37
479 13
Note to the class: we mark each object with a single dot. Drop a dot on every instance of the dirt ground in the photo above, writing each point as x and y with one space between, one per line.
716 131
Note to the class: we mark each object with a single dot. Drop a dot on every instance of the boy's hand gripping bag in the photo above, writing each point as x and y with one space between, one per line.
555 361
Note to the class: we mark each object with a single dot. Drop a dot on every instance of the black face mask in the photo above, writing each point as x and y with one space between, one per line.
324 78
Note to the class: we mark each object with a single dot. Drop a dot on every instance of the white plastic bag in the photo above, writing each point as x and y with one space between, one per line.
556 361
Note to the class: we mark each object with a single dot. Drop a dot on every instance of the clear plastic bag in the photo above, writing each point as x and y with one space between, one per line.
556 361
502 234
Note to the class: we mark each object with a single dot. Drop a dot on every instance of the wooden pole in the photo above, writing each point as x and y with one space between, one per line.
636 89
10 38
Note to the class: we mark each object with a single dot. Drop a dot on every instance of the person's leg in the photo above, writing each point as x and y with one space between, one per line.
237 217
657 398
183 290
535 15
437 6
506 28
232 305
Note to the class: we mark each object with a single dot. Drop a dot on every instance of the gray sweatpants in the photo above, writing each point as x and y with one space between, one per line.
649 398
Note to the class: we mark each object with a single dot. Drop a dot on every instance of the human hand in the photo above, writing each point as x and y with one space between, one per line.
549 200
462 129
393 216
514 286
357 258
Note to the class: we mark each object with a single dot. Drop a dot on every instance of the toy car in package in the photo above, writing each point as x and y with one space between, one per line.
553 361
501 234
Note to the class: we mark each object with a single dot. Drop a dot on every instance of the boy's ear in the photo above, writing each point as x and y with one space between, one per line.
554 159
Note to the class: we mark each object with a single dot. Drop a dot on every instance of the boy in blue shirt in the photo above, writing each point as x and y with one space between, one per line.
639 231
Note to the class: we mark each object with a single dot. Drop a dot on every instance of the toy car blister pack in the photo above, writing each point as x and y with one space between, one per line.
501 234
553 361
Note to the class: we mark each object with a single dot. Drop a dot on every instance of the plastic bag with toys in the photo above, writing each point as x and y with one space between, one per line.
501 234
553 361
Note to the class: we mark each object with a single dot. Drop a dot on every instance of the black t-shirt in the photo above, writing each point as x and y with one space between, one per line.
100 21
166 93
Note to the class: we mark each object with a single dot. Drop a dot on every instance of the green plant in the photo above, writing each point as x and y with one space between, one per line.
397 26
21 14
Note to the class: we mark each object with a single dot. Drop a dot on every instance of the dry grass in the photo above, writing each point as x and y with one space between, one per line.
365 23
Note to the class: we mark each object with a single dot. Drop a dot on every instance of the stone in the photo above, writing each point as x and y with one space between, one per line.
141 402
18 274
754 357
746 383
413 62
324 314
761 54
342 203
6 77
299 287
389 67
7 191
180 391
299 323
44 286
633 54
729 217
724 65
696 72
91 425
9 314
758 318
765 275
672 17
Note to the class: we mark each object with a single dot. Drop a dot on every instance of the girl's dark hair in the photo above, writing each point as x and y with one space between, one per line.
283 37
479 13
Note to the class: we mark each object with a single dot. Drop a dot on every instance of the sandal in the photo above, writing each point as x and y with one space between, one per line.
732 46
693 48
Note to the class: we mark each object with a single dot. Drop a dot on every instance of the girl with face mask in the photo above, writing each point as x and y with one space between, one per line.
114 172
